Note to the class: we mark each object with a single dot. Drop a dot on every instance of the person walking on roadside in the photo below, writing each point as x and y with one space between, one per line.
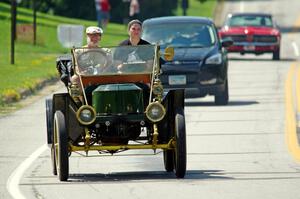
102 9
98 12
134 9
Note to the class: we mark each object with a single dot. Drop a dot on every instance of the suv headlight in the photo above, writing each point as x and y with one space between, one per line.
215 59
86 115
155 112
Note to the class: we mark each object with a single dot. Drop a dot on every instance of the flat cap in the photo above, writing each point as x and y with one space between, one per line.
93 30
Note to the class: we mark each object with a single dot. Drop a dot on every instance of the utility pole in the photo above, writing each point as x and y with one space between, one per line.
13 30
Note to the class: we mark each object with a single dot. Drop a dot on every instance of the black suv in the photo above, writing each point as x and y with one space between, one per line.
200 63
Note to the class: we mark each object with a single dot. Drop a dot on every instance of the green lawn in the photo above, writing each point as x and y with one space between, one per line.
196 8
36 63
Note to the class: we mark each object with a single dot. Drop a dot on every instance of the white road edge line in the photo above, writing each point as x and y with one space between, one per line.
241 6
296 49
13 181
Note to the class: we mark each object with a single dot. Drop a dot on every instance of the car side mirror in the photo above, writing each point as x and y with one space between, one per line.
169 53
227 42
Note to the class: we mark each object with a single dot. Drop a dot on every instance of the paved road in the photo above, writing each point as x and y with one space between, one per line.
234 151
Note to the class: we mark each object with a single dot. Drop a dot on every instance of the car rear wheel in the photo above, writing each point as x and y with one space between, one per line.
180 147
222 97
49 120
276 54
53 160
61 146
169 160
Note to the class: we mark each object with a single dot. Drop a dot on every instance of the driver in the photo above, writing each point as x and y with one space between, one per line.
93 38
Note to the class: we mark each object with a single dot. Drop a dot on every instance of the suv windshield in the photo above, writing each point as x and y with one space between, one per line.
180 34
115 60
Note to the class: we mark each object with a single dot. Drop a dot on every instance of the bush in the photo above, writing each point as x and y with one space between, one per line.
10 95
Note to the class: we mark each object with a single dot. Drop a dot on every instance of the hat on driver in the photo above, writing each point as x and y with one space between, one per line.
93 30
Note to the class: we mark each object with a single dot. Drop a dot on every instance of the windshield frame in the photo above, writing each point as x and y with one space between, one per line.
102 61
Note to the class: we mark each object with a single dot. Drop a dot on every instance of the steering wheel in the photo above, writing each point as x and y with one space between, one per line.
92 60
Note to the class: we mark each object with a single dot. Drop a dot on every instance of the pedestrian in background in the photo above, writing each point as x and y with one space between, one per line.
134 9
102 10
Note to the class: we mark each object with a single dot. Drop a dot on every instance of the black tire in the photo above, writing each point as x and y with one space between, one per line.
222 98
180 148
276 54
61 146
169 160
49 120
53 158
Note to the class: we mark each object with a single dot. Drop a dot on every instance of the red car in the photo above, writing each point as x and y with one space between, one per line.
252 33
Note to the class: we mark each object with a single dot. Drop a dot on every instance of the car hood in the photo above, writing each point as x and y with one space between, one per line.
250 30
191 53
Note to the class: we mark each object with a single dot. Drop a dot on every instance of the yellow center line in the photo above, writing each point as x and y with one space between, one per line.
291 123
292 100
298 89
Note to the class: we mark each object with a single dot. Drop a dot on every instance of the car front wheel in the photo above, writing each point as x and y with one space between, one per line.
60 143
53 160
180 147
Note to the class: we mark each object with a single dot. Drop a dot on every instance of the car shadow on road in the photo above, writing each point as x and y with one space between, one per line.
261 59
230 103
289 29
146 175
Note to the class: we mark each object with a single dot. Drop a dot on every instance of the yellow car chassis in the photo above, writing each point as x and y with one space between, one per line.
169 145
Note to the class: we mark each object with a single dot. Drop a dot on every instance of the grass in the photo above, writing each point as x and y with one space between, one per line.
35 63
196 8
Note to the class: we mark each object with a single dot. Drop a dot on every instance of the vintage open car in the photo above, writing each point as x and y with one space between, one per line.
115 102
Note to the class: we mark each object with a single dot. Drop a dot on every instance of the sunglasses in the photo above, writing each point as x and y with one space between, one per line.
95 34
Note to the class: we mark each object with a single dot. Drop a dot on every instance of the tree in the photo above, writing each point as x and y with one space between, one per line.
119 8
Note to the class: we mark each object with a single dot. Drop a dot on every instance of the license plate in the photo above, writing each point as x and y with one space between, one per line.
249 48
177 79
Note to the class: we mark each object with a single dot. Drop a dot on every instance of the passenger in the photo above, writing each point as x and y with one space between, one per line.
134 29
263 21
